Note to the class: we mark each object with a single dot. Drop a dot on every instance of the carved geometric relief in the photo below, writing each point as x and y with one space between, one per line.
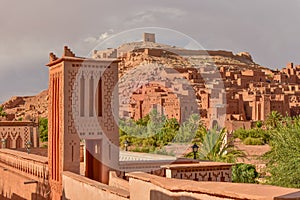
109 83
26 134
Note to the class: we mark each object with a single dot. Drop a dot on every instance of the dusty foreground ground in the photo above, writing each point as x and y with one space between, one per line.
253 153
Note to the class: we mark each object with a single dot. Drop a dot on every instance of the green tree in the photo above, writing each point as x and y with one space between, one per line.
283 160
200 133
132 129
188 129
214 148
252 136
43 129
143 121
244 173
172 123
273 120
168 132
156 123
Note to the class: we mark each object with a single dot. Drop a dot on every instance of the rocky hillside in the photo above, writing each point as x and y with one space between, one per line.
26 108
179 57
219 59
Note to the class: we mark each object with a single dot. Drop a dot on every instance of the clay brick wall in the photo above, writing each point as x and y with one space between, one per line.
17 134
12 186
149 37
17 169
149 187
79 187
154 52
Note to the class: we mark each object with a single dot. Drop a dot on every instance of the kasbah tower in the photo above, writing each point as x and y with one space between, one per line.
80 101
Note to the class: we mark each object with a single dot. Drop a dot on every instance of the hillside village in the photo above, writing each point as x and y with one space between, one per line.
219 84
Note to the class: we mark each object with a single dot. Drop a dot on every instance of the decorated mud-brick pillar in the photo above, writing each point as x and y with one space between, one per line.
80 109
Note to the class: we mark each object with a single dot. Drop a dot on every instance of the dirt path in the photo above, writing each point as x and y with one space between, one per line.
253 153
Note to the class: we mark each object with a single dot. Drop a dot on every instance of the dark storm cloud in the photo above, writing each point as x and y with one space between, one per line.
30 29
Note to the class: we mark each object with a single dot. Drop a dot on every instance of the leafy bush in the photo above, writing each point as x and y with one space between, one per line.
257 133
283 160
253 141
43 129
2 112
244 173
163 151
259 124
154 131
188 130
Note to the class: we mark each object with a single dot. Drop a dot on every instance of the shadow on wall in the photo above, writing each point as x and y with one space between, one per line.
157 195
35 196
64 195
13 197
294 195
17 197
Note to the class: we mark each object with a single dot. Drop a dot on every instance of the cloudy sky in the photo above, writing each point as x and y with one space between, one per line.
268 29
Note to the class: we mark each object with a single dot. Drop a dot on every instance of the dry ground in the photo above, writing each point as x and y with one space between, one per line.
253 153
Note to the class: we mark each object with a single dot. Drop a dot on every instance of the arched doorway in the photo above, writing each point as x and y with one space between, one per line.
93 159
8 142
19 143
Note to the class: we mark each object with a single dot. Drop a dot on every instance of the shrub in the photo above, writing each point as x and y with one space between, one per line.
2 112
283 160
253 141
244 173
163 151
257 133
259 124
240 133
43 129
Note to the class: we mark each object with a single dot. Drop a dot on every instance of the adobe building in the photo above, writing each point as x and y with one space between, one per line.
243 94
17 134
80 94
149 37
155 96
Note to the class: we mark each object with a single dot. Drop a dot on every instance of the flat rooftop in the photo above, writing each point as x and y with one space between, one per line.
137 156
